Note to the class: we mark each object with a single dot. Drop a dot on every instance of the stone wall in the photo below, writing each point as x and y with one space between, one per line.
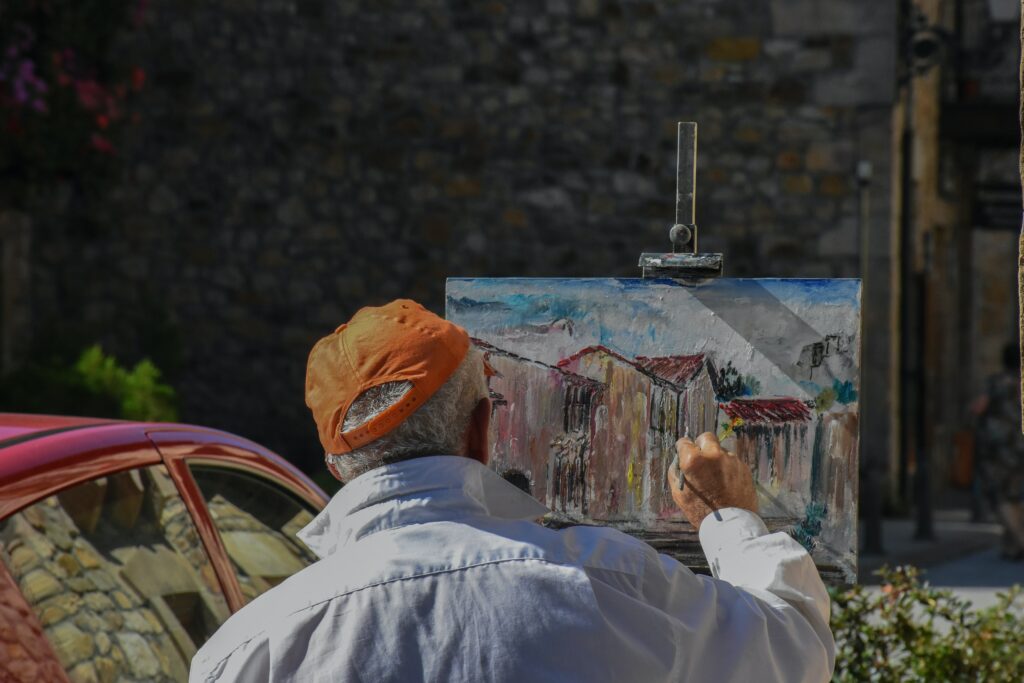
297 159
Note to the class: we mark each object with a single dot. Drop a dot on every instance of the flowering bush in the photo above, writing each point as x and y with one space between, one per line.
64 93
909 631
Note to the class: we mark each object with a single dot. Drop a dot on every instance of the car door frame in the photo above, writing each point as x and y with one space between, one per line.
180 447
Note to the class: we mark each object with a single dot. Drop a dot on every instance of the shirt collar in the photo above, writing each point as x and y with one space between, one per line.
425 489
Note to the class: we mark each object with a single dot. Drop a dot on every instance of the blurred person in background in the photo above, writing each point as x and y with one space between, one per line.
999 472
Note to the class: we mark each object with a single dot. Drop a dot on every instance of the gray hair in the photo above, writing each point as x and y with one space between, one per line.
438 427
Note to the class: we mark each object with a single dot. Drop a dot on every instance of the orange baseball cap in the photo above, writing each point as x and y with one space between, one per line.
398 342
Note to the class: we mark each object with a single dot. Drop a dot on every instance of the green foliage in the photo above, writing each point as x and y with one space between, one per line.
95 385
733 384
138 391
845 393
807 531
911 632
825 399
840 392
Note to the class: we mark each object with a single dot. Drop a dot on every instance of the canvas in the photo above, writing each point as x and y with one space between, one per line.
597 378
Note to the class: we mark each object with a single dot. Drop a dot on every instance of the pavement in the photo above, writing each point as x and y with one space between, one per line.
963 556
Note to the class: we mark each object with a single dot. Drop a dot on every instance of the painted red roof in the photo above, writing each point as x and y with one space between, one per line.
489 348
768 410
675 369
586 351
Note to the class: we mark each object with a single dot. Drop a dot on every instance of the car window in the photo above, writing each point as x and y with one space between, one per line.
118 577
258 521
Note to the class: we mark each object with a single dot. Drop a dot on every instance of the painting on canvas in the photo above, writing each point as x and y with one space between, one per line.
597 378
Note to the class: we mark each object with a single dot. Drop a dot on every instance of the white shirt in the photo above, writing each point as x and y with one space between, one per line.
434 570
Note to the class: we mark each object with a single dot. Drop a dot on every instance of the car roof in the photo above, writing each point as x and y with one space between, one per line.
53 447
22 426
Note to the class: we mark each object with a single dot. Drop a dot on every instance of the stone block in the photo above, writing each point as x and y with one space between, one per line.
103 643
514 217
462 188
821 156
84 673
81 584
800 183
139 656
70 642
89 622
68 564
834 185
733 49
114 620
39 584
748 134
86 556
789 160
38 544
22 559
107 669
135 620
97 601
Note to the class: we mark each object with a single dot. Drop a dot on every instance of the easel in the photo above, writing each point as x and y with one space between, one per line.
683 262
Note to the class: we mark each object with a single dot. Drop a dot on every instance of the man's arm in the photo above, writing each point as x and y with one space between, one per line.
768 599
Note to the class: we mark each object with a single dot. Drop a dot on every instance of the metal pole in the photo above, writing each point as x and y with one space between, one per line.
871 480
684 232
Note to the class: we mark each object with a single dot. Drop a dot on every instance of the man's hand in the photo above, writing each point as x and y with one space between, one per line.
714 479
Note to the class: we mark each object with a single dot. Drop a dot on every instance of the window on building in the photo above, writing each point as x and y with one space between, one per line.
258 521
117 576
578 404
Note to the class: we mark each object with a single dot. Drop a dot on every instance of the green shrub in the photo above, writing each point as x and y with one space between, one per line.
138 392
95 385
910 631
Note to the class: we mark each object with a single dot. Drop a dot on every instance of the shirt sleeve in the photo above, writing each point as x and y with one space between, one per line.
764 614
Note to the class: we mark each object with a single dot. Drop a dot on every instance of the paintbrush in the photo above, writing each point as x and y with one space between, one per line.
675 460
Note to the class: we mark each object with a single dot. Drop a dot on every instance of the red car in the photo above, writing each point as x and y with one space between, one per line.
125 545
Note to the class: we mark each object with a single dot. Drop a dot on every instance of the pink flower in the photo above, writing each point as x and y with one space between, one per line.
90 94
101 144
138 78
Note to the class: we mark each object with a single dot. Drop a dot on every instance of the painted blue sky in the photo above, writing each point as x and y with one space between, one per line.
759 325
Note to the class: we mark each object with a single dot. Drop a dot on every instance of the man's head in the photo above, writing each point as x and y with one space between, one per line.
394 383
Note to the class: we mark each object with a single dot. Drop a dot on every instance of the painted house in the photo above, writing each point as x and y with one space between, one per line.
834 473
770 434
634 444
697 409
555 457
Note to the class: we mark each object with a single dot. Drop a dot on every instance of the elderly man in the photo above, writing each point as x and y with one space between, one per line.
433 568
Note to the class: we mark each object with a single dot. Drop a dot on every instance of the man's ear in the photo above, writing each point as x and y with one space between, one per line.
478 444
